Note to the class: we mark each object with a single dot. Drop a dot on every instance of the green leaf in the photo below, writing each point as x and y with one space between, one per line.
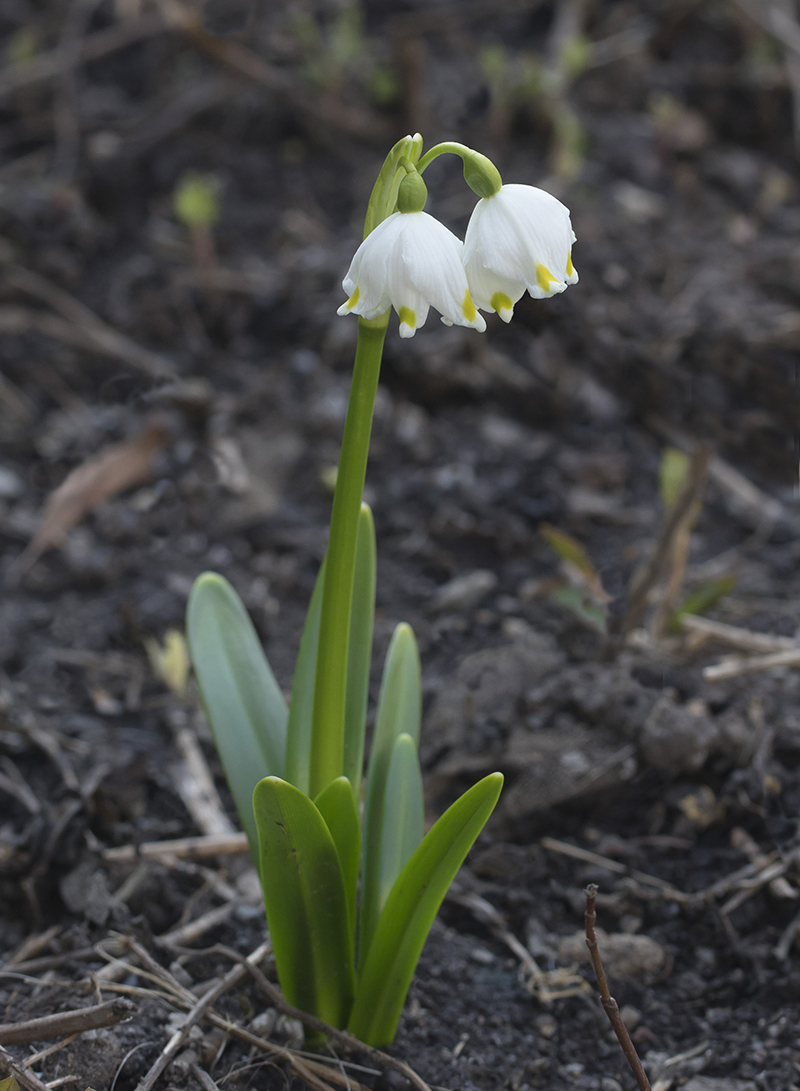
584 604
403 814
359 655
399 713
702 599
304 895
410 911
672 472
301 706
243 703
338 807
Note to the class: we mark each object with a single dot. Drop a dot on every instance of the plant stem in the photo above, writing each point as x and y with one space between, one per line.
609 1003
327 732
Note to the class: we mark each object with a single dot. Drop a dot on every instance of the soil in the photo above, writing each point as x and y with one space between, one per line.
672 144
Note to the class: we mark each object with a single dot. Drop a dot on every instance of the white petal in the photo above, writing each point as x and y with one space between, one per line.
524 236
432 259
368 272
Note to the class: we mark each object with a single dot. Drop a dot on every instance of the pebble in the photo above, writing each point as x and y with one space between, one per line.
464 591
11 484
623 955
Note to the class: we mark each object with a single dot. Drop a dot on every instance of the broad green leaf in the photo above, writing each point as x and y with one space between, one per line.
359 655
305 899
399 713
672 473
410 911
403 814
301 706
337 805
243 704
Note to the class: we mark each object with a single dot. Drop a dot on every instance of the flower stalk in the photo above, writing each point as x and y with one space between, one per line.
330 693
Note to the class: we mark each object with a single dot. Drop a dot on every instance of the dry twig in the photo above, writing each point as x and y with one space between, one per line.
26 1080
609 1003
66 1022
182 848
734 665
743 639
47 66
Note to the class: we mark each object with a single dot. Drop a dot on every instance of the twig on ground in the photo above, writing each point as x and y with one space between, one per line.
733 666
324 109
66 1022
26 1080
741 839
195 785
667 890
188 933
48 65
33 945
183 848
545 985
788 937
173 1046
56 1047
609 1003
342 1038
83 327
743 639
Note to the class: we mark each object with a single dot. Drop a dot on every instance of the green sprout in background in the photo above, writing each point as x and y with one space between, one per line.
196 204
350 896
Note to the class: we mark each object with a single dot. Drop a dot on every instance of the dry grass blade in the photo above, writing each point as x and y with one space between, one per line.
116 468
743 639
681 513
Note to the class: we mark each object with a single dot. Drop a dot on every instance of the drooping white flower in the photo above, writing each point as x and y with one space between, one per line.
410 262
519 238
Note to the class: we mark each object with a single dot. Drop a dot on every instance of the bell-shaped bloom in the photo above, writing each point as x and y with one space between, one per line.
520 238
410 262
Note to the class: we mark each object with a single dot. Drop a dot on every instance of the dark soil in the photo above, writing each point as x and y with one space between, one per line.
684 327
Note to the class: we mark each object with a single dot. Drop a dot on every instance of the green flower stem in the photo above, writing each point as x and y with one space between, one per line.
327 731
480 173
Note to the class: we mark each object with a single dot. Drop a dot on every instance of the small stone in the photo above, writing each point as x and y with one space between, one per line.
631 1016
623 955
546 1025
463 592
480 954
608 1084
11 485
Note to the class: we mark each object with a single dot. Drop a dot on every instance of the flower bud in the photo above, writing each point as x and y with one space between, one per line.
412 194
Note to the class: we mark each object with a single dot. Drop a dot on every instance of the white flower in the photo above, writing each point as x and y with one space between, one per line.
410 262
519 238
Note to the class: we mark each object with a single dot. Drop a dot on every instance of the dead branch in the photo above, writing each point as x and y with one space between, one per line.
26 1080
183 848
66 1022
609 1003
